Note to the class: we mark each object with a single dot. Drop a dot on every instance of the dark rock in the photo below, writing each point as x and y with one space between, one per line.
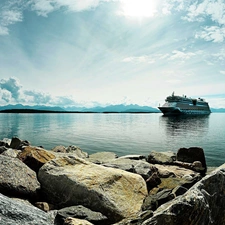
190 155
5 142
161 157
201 204
153 181
152 202
179 190
81 212
15 143
17 179
13 212
2 149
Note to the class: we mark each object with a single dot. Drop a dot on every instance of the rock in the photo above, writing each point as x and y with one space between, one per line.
161 157
135 157
174 171
59 148
190 155
81 212
77 151
152 202
35 157
115 193
44 206
17 179
201 204
74 221
153 181
2 149
102 157
15 143
14 212
140 167
11 153
5 142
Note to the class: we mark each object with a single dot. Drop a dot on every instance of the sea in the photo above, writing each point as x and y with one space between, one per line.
122 133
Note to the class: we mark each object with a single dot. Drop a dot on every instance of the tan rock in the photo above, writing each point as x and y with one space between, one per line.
74 221
35 157
113 192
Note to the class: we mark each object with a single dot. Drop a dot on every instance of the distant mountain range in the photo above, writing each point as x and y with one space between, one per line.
108 109
132 108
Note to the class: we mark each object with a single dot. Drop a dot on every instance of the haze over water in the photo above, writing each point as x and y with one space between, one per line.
120 133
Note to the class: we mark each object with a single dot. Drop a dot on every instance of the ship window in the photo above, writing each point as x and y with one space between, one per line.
194 101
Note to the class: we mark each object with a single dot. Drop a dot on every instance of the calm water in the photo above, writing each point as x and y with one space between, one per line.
120 133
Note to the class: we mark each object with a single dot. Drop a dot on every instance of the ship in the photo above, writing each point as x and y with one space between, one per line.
182 105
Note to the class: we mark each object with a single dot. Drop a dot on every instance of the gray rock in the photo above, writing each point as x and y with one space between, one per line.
13 212
102 157
140 167
16 178
161 157
11 153
201 204
59 148
77 151
81 212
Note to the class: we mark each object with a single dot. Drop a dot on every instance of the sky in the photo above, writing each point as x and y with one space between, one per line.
102 52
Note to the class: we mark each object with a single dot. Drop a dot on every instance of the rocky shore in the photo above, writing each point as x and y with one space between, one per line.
66 186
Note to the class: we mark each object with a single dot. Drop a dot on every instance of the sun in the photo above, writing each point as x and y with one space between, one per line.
139 8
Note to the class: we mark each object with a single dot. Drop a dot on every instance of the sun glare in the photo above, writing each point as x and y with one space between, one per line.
138 8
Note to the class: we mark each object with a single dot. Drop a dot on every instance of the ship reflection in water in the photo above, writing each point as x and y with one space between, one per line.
185 131
194 126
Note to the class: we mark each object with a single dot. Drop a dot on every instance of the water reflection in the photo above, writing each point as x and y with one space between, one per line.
193 126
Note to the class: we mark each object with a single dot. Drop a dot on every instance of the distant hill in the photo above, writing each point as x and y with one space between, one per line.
117 108
35 107
111 108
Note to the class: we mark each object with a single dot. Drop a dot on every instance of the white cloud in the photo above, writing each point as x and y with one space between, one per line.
222 72
213 33
11 85
182 56
139 59
8 17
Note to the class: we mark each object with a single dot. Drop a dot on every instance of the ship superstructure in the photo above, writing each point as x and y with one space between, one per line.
178 105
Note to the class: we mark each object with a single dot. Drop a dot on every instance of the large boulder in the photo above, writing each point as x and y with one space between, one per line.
14 212
115 193
201 204
35 157
190 155
17 179
161 157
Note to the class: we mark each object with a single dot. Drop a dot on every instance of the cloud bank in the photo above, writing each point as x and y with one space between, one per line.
11 91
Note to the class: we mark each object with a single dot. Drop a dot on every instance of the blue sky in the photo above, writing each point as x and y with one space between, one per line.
100 52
